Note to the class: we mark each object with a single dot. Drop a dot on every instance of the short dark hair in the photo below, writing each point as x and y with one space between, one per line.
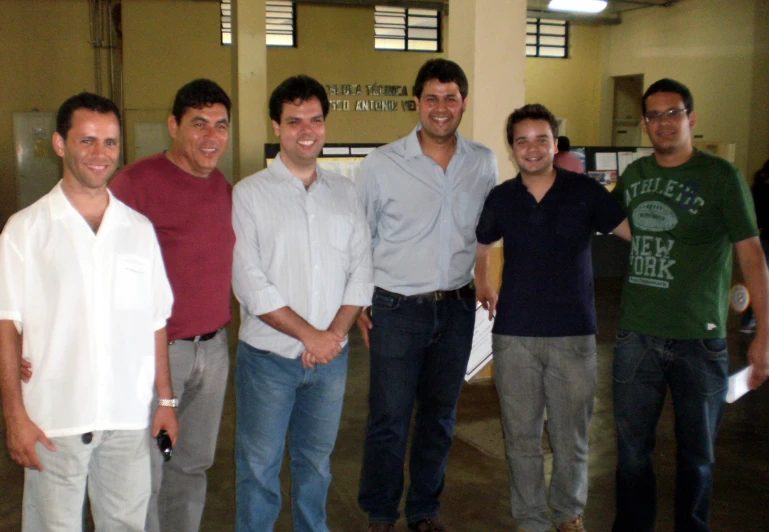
297 89
532 111
198 94
669 85
564 144
444 71
85 100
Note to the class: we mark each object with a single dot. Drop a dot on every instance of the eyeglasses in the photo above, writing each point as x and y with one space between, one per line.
673 113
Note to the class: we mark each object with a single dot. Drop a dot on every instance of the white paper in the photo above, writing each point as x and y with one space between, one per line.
480 354
625 158
336 150
606 161
738 385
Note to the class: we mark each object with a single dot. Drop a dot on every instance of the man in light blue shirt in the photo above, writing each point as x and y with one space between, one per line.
301 272
423 196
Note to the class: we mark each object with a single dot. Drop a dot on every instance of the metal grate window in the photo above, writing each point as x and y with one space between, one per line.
398 28
547 38
226 24
281 24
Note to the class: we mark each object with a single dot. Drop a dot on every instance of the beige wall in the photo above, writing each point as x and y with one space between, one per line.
709 46
167 43
336 45
571 88
45 59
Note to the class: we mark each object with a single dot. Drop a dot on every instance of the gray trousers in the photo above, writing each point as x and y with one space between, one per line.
199 377
558 374
114 467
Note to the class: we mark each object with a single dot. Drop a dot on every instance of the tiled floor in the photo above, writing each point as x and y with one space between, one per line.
476 496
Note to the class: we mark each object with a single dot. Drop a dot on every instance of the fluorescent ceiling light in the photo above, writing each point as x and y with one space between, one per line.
580 6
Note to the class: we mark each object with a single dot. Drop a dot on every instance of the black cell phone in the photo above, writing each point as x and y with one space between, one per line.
164 445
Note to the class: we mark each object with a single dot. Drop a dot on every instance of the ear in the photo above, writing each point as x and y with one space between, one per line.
172 126
58 144
643 126
464 104
556 146
692 119
416 100
276 128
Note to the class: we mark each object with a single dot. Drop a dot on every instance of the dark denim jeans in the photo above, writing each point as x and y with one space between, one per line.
696 371
419 351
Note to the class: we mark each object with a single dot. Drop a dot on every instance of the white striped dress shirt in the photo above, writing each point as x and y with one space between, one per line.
309 250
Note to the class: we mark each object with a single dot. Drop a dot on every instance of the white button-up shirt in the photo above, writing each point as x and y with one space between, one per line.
88 306
309 250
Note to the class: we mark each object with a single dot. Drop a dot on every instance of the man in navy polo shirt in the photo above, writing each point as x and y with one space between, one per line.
544 334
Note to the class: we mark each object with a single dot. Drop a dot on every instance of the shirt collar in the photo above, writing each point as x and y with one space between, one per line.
279 169
62 208
414 149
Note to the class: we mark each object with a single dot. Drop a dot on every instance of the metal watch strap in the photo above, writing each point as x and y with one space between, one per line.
173 403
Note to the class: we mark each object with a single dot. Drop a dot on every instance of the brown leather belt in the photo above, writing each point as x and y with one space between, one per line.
439 295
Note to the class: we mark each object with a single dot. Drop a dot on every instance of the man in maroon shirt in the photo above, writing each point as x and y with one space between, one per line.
189 202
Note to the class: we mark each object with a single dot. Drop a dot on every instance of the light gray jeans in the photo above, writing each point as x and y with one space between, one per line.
115 467
199 377
532 374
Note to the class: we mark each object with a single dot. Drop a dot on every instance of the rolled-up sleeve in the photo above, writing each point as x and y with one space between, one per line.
249 283
360 285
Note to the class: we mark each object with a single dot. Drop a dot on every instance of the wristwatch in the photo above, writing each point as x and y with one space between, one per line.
173 403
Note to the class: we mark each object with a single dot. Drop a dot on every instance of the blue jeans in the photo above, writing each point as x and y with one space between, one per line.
276 396
558 374
419 351
696 371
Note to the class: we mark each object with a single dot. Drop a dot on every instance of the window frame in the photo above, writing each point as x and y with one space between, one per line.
407 13
280 4
539 35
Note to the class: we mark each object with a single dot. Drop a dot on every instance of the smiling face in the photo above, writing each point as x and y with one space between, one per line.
91 150
534 147
302 134
200 139
440 109
670 135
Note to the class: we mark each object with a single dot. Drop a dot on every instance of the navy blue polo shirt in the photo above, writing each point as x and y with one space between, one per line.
547 278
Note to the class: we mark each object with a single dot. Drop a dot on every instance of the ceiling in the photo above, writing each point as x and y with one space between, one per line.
536 8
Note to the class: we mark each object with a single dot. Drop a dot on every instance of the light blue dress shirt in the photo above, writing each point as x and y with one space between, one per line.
309 250
423 219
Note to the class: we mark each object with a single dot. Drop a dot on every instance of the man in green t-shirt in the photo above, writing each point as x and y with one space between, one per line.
687 209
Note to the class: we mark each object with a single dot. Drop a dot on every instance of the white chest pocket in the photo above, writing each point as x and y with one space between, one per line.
132 282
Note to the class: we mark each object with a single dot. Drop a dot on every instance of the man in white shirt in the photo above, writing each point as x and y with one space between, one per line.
302 272
81 275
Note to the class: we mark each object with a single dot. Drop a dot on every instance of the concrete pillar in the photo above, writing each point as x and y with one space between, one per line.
488 40
249 87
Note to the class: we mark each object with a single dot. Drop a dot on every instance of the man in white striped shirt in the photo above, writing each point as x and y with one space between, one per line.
302 271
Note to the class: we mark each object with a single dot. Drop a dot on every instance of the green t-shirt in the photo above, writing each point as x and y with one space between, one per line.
684 221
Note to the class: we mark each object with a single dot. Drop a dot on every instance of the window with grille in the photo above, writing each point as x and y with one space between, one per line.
398 28
547 38
280 23
226 23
